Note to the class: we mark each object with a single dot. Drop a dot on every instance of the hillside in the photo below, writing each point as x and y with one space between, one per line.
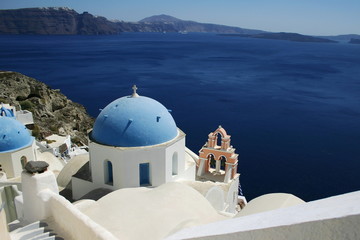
190 26
62 21
53 112
161 18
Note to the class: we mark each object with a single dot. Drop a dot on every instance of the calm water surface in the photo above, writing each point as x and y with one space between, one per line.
292 109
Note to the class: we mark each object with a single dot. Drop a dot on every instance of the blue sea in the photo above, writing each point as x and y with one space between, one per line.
292 109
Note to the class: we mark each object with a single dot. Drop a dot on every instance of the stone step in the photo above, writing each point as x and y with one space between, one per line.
33 231
41 236
27 234
52 238
20 228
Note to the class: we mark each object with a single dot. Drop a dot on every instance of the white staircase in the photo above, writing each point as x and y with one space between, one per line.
33 231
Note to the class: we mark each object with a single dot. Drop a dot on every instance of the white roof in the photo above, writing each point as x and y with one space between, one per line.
270 202
152 213
59 140
55 164
72 167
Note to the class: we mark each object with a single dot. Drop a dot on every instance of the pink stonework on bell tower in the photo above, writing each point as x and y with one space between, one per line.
218 149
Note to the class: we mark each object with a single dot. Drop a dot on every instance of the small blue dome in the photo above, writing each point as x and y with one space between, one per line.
134 121
13 135
6 112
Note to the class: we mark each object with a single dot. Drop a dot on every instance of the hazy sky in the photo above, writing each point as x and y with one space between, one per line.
315 17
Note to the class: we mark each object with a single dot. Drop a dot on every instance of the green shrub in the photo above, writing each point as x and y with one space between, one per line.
76 140
36 132
54 128
27 105
21 98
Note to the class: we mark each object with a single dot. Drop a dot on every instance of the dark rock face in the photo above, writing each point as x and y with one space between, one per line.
36 167
87 24
53 112
53 21
67 21
171 24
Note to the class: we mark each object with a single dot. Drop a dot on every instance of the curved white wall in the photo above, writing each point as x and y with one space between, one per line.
335 218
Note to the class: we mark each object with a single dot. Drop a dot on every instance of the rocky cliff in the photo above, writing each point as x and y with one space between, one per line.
53 112
179 25
67 21
53 21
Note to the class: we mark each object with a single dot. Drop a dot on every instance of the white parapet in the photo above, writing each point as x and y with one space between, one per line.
4 233
35 207
335 218
25 117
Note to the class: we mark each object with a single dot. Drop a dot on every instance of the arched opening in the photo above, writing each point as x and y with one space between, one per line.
108 172
222 161
175 167
23 161
218 139
212 161
144 174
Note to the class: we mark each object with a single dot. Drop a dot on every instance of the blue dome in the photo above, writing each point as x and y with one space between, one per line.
6 112
13 135
134 122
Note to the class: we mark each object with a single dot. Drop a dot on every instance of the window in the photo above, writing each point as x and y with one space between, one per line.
108 173
23 161
223 163
212 161
218 140
144 174
175 164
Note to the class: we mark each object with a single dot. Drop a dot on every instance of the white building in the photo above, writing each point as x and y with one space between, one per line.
16 146
23 116
135 142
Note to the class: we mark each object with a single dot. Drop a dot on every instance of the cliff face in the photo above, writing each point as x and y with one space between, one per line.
53 21
178 25
52 111
67 21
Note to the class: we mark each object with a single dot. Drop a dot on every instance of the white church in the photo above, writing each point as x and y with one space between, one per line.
16 146
135 143
156 187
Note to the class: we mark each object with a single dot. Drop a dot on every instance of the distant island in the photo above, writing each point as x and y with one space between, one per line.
66 21
354 41
294 37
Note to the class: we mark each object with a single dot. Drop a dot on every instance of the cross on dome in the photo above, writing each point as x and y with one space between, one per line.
134 92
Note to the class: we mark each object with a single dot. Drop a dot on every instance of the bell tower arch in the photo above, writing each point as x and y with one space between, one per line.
218 148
